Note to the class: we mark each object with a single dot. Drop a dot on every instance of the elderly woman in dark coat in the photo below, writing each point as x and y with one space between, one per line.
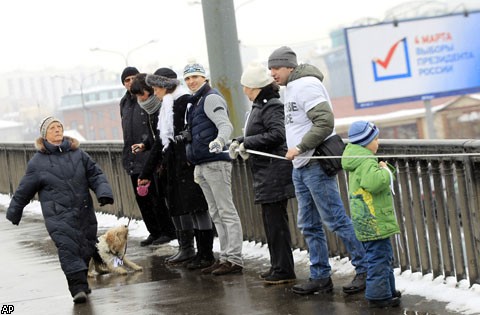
272 178
62 175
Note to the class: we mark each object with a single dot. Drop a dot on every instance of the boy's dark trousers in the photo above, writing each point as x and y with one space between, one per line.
380 277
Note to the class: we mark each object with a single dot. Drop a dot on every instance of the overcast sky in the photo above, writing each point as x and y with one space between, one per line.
60 33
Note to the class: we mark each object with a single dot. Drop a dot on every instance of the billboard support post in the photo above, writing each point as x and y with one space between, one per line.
429 119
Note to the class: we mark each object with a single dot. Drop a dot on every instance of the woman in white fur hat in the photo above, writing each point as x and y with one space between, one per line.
190 215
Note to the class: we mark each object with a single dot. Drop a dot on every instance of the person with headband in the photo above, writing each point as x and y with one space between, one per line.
62 174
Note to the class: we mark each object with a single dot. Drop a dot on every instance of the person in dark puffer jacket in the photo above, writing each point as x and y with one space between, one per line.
62 175
272 178
210 128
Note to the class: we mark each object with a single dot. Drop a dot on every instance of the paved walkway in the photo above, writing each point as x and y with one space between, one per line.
32 282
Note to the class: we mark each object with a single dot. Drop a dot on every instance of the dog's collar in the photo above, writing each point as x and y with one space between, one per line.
116 255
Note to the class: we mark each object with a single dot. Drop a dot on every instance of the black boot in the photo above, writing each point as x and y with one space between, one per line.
179 237
196 260
204 257
78 286
186 250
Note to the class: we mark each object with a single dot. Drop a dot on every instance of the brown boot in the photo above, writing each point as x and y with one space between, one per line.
209 270
358 284
227 268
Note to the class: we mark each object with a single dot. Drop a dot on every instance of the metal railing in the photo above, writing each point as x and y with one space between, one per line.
437 200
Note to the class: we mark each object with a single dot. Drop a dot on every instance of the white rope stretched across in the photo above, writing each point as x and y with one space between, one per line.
387 156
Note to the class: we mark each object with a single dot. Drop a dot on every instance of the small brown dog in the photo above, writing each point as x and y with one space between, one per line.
111 249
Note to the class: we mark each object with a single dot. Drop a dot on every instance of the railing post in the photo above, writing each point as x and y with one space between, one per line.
420 215
474 201
442 220
466 221
453 221
429 206
407 231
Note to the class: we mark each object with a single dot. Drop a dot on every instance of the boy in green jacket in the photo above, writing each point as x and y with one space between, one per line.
371 206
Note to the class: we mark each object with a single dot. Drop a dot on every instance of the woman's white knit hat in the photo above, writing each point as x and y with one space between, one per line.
255 76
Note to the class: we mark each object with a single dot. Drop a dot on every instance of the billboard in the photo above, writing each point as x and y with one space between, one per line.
414 59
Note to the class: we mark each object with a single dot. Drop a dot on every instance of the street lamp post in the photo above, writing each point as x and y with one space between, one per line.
86 118
126 55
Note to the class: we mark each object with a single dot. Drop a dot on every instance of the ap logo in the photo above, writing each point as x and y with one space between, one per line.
7 309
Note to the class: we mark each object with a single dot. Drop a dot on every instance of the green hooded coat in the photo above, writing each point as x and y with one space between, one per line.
371 202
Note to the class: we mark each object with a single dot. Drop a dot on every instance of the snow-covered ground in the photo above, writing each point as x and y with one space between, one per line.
459 296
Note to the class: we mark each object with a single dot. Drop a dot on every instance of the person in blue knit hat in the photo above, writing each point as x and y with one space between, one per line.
370 186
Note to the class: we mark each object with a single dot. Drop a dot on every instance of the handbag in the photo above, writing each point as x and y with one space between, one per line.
333 146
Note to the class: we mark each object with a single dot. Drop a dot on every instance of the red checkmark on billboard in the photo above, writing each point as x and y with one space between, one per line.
384 63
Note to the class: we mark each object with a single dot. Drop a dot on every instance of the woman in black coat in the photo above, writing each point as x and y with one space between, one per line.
138 136
187 204
62 175
272 178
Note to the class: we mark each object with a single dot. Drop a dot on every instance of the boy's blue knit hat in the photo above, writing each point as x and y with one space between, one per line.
362 132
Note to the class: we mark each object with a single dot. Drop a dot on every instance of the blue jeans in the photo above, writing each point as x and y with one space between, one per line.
319 202
215 179
380 277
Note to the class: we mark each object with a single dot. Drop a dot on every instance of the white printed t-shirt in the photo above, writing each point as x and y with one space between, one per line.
301 95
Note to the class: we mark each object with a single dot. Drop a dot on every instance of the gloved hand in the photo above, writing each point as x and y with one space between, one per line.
11 218
142 190
183 137
105 201
243 152
232 149
215 146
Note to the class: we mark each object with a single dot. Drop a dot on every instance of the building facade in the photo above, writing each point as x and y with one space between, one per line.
94 113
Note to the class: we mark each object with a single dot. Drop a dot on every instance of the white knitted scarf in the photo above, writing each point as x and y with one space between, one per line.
165 118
